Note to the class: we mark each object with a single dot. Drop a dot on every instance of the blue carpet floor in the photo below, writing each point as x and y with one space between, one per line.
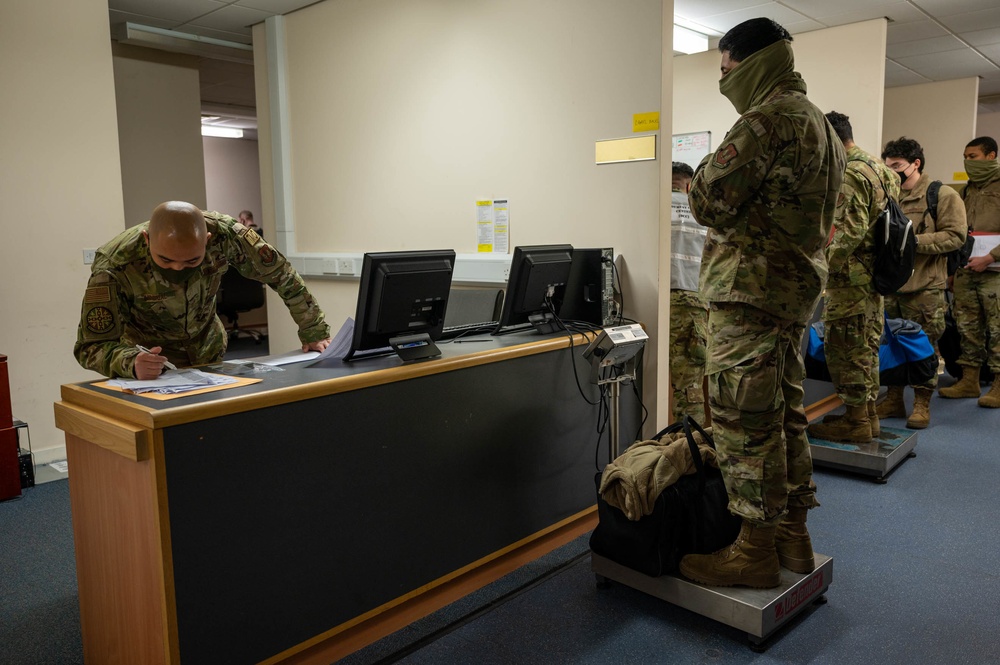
916 580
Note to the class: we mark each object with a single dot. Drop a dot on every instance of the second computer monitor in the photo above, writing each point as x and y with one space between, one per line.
535 287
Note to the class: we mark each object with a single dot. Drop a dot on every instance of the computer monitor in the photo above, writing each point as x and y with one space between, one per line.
535 287
401 304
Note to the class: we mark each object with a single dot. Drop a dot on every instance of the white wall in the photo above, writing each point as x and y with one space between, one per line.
60 183
941 116
987 124
403 114
844 71
159 128
232 177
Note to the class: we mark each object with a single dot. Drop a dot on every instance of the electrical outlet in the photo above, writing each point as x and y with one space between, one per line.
345 266
88 256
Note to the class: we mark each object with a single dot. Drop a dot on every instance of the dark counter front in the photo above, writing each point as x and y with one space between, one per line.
289 521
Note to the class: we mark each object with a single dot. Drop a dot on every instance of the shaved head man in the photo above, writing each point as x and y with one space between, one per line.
155 286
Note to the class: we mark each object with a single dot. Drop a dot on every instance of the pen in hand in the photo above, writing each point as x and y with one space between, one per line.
168 364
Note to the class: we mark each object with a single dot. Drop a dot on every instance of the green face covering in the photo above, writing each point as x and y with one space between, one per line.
746 84
982 170
175 276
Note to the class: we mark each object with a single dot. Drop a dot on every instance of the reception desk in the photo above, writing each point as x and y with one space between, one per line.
249 524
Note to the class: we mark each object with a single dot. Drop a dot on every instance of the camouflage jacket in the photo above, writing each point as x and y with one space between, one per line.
128 301
982 208
768 197
851 253
934 238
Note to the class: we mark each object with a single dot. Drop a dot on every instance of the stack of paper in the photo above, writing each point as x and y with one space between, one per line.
173 382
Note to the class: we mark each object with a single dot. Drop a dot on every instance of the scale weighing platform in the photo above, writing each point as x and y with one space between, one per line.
891 448
758 612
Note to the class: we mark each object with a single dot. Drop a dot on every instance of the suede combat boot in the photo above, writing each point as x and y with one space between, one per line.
873 422
750 561
854 427
991 400
921 416
791 540
967 386
892 406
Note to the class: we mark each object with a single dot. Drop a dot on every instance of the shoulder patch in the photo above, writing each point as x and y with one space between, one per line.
267 256
726 154
250 236
100 320
97 294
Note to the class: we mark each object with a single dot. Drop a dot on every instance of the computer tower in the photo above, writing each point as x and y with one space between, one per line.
27 469
590 292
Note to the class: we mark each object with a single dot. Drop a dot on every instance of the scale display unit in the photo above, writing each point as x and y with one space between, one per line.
890 449
758 612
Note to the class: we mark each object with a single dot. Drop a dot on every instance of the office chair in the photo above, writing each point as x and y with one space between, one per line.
239 294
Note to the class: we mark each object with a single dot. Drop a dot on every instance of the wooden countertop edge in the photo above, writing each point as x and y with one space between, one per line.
123 438
167 417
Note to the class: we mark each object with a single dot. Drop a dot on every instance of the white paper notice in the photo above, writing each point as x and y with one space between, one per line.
984 243
484 226
493 226
501 228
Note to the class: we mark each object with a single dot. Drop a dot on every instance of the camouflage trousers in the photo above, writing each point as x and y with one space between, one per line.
688 351
977 316
925 307
755 372
853 320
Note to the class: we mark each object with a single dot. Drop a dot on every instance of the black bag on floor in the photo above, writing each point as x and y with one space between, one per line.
689 517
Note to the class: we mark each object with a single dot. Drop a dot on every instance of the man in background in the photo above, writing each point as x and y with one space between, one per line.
853 308
688 310
768 196
922 299
246 219
976 307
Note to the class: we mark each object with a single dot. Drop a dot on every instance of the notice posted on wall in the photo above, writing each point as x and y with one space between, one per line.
493 226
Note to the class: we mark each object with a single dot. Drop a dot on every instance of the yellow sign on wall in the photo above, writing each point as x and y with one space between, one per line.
646 122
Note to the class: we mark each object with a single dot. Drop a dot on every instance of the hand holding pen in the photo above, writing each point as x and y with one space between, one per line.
149 364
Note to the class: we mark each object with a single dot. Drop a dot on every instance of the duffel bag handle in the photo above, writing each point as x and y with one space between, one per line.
689 423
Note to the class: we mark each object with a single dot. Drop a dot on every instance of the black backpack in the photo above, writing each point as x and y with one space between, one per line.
895 245
957 258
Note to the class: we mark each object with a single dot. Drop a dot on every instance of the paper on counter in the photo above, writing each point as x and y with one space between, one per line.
173 382
340 345
296 356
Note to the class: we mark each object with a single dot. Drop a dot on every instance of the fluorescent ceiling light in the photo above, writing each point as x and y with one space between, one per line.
689 41
221 132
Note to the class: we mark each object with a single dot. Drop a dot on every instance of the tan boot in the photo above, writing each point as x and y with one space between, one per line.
750 561
873 421
921 416
892 406
852 428
991 400
967 386
791 541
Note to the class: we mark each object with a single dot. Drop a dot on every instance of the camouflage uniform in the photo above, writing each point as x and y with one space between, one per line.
768 195
688 312
130 300
921 299
977 294
853 313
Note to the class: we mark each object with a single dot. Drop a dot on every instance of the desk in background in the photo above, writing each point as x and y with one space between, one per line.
249 524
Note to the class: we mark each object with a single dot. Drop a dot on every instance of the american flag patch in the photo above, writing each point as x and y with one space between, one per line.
97 294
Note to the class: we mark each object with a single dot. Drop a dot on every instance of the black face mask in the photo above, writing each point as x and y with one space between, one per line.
175 276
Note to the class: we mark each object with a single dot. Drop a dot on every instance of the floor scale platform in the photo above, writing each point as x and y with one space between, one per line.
757 612
878 458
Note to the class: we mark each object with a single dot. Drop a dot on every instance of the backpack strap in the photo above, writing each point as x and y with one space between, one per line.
932 198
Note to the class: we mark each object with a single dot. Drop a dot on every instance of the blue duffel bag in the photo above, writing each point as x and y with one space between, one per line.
905 356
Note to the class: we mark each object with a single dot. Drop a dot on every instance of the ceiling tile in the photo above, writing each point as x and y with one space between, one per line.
117 17
903 77
803 26
779 13
819 8
180 11
981 20
275 6
922 46
232 19
991 87
899 12
991 51
905 32
951 7
982 37
694 9
948 65
244 37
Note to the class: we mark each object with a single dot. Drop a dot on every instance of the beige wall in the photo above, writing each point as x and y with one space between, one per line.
60 185
403 114
941 116
843 67
987 124
159 129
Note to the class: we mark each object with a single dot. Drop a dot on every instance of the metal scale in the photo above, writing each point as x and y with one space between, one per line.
878 458
760 613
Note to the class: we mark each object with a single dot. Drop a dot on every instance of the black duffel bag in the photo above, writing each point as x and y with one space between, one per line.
689 517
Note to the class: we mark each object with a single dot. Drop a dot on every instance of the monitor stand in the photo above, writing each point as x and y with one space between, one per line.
545 323
414 347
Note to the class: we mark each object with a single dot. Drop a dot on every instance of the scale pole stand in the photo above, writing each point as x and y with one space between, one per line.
758 612
878 458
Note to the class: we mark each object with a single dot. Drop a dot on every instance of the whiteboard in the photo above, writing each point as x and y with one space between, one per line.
691 148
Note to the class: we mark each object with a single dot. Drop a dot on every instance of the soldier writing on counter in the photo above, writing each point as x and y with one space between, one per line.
155 285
